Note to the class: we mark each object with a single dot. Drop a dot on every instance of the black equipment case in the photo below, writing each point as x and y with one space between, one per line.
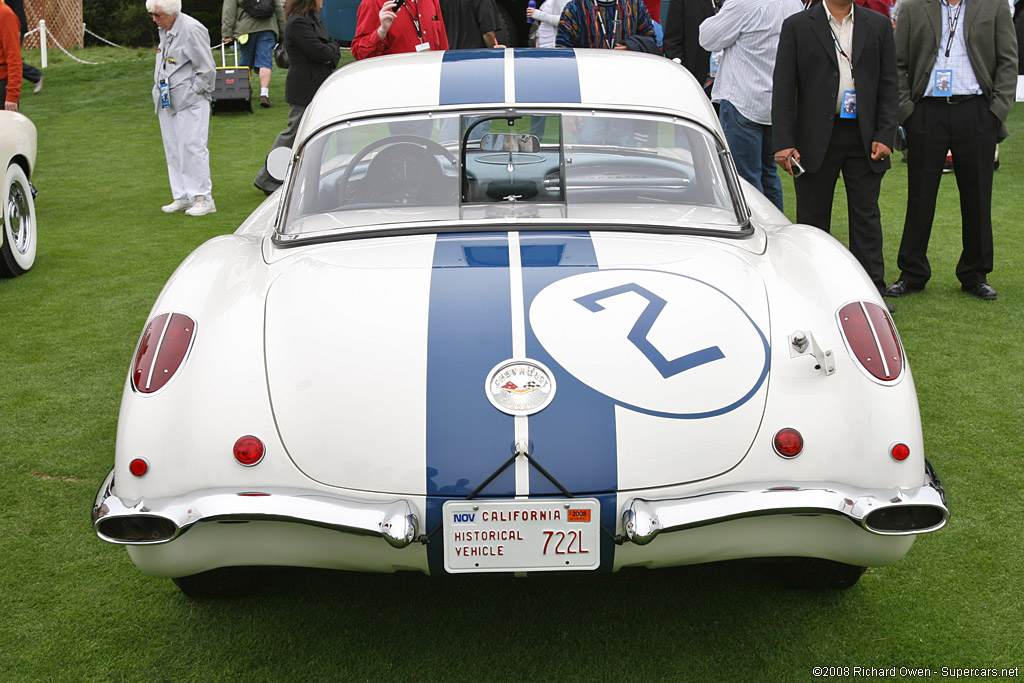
231 89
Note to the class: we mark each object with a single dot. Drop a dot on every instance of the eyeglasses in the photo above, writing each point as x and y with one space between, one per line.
157 15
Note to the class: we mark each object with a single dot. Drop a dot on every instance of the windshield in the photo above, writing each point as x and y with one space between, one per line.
601 167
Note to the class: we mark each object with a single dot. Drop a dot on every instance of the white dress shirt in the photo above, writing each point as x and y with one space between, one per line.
843 32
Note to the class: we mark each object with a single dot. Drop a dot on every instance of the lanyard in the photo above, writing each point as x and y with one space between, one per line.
839 48
414 14
165 48
953 22
603 35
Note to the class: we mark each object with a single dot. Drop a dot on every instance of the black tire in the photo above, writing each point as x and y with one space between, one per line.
18 241
816 574
216 583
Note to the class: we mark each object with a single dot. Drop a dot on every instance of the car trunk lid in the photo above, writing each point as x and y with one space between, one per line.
380 356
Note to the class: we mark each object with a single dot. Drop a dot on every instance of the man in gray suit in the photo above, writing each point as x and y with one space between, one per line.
957 66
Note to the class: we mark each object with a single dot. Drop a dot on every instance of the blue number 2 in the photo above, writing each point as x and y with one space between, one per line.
638 335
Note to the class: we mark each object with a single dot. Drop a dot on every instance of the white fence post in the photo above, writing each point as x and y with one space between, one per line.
42 41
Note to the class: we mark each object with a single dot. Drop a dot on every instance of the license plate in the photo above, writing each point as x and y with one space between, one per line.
522 535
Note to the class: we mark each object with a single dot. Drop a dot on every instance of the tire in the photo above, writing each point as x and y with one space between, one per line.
18 242
815 574
216 583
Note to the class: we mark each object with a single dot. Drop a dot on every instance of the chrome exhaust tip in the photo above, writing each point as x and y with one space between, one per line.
136 529
906 519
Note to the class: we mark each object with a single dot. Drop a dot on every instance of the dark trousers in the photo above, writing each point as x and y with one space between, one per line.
30 73
814 192
285 138
968 129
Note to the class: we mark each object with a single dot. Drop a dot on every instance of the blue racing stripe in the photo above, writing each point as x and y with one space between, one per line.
470 331
472 76
574 437
546 75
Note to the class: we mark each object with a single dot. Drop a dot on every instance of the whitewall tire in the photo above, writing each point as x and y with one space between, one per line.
18 250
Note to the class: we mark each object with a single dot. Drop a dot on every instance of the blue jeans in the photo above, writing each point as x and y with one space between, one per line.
751 146
258 51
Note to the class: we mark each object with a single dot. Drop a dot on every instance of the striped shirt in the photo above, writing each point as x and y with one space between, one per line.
748 33
584 23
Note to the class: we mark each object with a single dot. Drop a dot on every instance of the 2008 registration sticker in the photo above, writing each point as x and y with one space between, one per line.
521 535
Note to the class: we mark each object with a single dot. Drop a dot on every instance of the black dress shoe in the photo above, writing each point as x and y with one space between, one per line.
982 290
902 288
890 307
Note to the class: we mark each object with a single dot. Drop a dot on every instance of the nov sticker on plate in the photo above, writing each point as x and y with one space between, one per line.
521 535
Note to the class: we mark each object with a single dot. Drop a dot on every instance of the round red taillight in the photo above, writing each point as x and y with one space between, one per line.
900 451
248 450
138 467
788 442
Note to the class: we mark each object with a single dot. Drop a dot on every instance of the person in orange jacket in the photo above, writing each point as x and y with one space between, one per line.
10 57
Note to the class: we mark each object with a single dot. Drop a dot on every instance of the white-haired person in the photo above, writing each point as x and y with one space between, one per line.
182 88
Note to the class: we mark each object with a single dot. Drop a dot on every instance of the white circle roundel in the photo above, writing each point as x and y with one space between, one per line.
654 341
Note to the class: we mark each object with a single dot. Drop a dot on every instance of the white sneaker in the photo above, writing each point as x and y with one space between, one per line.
177 205
202 206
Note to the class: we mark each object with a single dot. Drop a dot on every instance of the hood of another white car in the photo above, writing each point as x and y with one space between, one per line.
380 356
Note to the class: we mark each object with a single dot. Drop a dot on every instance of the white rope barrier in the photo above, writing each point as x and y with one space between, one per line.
43 32
99 37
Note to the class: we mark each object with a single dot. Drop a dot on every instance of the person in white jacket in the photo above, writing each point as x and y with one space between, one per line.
183 81
547 16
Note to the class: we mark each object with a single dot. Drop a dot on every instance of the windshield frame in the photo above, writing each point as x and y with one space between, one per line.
742 227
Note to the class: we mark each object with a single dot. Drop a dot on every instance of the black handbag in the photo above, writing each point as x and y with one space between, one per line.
280 56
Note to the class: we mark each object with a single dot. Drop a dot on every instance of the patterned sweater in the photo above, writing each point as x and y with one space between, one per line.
585 23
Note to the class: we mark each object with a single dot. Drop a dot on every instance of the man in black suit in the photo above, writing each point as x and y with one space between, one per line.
682 36
957 66
834 109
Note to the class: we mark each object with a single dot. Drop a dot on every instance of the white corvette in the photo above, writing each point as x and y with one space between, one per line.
514 311
17 211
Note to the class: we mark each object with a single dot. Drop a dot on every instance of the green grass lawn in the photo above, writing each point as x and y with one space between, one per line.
73 608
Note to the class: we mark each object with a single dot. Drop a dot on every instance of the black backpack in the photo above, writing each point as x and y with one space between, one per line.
258 9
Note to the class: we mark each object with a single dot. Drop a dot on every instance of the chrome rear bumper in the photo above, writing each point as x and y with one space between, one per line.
149 522
887 512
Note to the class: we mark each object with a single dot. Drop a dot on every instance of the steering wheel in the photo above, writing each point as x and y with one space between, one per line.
403 145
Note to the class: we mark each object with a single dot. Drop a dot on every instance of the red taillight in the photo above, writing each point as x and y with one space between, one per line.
163 348
900 451
248 450
138 467
872 339
788 442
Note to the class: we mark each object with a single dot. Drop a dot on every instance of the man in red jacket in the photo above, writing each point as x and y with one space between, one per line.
10 57
384 29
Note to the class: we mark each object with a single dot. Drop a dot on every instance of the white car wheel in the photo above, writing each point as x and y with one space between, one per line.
18 251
